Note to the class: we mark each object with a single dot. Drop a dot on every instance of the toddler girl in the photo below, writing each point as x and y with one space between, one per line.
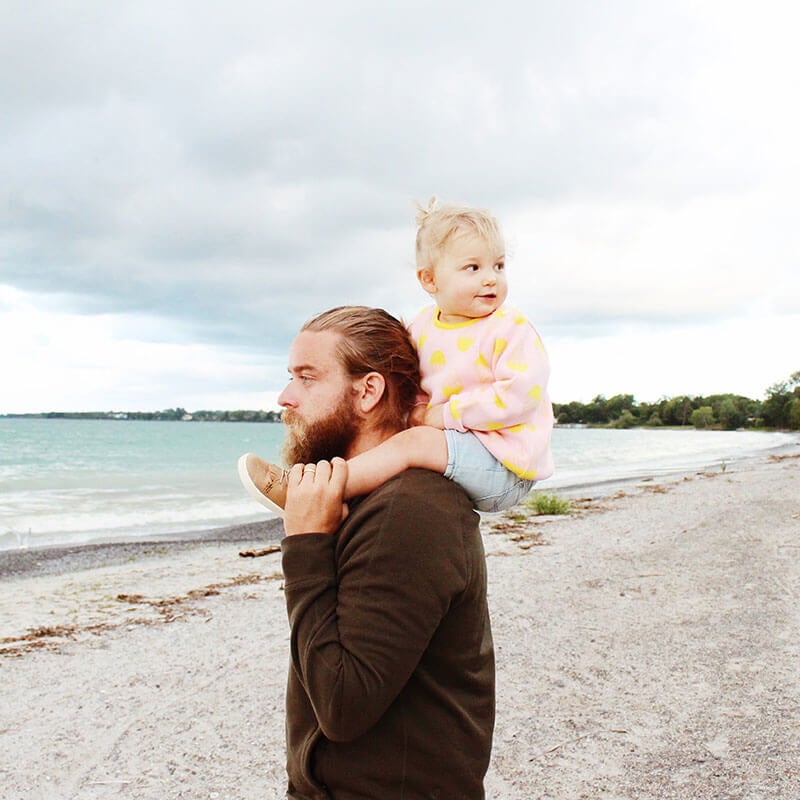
488 419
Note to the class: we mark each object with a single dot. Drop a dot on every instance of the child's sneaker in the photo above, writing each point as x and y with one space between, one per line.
265 482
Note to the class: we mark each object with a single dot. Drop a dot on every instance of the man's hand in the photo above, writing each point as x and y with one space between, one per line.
315 497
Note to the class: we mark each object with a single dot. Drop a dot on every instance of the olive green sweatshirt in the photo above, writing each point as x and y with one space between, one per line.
391 684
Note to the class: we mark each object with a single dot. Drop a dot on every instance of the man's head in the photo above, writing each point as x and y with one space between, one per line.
354 379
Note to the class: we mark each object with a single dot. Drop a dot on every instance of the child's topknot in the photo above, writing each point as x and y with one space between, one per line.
423 213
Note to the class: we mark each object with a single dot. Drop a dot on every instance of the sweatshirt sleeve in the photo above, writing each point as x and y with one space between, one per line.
517 370
363 608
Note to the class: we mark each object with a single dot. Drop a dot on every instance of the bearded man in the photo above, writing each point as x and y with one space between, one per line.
391 685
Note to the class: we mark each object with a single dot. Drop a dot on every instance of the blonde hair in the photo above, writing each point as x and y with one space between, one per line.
439 224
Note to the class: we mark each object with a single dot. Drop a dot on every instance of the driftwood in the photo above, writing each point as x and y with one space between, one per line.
258 553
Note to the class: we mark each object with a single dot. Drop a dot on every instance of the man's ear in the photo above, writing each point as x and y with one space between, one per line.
427 280
369 391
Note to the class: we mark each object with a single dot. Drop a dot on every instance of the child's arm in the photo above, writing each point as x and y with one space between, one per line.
434 416
417 414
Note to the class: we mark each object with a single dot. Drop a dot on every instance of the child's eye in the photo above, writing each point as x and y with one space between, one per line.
471 268
500 266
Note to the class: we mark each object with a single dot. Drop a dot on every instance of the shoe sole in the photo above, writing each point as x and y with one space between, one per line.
253 490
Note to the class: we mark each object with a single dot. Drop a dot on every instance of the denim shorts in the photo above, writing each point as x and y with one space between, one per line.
489 485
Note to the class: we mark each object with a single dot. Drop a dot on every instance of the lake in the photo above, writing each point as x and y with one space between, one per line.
78 481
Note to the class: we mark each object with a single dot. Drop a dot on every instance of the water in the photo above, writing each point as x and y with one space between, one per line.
79 481
76 481
586 456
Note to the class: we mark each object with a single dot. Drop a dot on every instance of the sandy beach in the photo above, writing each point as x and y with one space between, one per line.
647 647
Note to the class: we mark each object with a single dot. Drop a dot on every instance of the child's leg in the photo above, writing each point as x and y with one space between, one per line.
420 446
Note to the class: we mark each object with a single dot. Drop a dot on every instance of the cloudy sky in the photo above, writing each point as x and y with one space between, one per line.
182 184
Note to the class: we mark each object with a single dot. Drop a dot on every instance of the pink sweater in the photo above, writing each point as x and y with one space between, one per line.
491 373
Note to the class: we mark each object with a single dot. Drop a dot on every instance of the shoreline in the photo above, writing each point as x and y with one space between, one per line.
570 480
645 644
703 462
59 558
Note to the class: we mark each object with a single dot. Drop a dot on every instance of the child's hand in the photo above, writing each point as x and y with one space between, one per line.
434 416
417 415
315 497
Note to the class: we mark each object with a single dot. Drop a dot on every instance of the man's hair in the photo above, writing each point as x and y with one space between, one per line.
372 340
438 224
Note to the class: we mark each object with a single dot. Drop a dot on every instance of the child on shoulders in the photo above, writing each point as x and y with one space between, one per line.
487 420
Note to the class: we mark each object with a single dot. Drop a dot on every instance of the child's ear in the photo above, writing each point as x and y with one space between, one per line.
427 280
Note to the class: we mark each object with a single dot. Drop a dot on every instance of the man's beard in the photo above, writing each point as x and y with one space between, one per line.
322 439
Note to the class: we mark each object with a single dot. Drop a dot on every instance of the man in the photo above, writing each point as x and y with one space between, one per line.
391 685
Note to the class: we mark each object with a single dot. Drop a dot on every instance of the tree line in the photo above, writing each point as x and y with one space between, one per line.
166 415
780 409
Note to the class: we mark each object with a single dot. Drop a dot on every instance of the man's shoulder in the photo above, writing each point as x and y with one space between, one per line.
416 477
416 514
424 491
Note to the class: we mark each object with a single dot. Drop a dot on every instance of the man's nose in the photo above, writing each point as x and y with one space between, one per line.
285 397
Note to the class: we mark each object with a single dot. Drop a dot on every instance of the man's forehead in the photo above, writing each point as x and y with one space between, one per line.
314 350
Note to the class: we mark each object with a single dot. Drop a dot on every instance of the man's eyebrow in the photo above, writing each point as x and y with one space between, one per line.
302 368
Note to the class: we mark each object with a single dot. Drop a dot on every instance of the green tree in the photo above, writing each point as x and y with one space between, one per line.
794 414
676 411
619 403
730 415
597 411
702 417
569 413
776 410
624 420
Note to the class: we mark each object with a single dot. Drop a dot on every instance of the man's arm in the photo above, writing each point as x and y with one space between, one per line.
364 607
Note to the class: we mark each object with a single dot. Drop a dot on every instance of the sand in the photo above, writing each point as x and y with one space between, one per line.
647 647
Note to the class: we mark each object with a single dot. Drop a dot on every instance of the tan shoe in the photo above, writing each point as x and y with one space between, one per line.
265 482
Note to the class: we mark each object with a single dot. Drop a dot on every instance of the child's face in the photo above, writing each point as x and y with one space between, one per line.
468 279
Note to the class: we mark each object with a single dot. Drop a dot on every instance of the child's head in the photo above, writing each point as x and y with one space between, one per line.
437 225
461 260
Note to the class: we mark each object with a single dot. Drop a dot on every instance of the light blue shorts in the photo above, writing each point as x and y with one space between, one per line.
489 485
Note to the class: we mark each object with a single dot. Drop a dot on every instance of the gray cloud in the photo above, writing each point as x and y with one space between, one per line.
233 170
